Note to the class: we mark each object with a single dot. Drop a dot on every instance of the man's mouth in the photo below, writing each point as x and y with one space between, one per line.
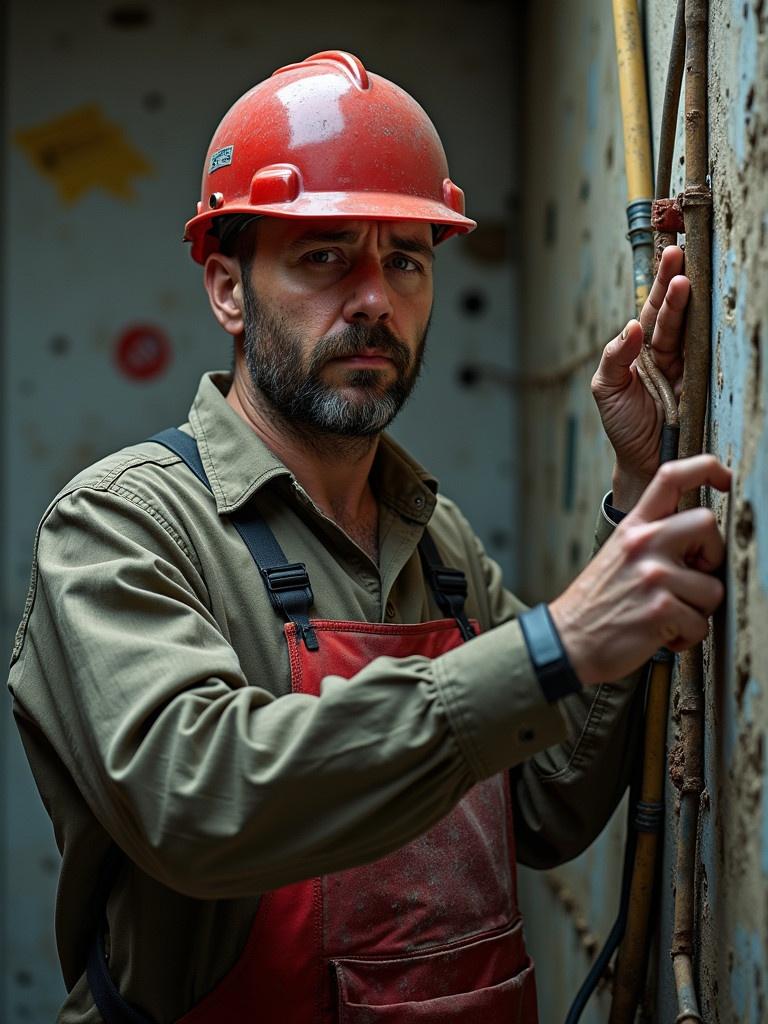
368 359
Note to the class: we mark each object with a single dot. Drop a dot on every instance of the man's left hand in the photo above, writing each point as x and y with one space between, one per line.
632 418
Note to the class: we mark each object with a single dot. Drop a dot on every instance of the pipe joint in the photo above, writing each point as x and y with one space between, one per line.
682 945
697 195
639 223
667 215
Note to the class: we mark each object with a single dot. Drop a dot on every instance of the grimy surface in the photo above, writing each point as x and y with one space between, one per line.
577 295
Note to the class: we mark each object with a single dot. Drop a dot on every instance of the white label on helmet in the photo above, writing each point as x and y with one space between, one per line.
221 158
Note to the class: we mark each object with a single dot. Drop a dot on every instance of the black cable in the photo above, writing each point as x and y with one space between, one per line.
616 933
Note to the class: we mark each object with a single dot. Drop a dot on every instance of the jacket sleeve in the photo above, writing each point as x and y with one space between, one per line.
205 779
564 795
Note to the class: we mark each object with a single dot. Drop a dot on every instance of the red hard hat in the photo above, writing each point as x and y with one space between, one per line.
326 138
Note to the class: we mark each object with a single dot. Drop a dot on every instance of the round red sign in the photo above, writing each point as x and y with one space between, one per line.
143 352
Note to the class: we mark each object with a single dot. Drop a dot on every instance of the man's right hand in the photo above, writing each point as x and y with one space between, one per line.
651 584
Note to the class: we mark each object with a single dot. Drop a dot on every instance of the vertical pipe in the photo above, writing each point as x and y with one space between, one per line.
632 960
633 94
693 403
668 130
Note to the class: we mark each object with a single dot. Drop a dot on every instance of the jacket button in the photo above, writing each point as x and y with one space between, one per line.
418 501
526 734
390 610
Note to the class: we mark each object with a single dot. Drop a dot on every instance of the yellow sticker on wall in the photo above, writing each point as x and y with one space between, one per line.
82 150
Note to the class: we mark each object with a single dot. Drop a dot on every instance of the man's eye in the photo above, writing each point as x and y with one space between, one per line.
323 256
403 263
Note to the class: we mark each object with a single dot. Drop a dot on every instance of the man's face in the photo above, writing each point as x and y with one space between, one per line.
335 320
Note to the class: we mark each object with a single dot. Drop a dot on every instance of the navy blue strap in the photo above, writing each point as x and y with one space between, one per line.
287 583
550 659
448 585
110 1004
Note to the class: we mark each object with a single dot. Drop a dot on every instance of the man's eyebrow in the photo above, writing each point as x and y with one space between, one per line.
409 244
405 242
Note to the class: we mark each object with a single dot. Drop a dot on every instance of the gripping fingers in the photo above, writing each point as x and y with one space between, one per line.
667 335
671 265
678 626
698 590
673 479
692 537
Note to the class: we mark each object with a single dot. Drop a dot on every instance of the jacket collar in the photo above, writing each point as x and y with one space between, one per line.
239 464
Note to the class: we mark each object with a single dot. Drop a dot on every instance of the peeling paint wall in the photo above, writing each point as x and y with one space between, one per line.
577 295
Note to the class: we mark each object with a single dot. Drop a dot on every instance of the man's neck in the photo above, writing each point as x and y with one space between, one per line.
333 470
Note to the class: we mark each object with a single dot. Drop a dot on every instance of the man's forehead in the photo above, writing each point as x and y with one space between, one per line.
416 235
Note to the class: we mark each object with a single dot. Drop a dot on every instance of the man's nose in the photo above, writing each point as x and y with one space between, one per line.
368 299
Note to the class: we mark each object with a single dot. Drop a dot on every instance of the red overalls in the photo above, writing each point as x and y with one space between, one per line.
430 933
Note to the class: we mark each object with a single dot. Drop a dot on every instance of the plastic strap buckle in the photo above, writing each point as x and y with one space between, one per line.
449 581
450 589
291 595
293 576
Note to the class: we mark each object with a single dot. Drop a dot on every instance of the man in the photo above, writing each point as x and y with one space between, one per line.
282 790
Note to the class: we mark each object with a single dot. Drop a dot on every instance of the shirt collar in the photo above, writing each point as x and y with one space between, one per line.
239 464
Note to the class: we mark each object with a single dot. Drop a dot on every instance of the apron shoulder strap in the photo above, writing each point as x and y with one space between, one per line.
448 585
287 583
110 1004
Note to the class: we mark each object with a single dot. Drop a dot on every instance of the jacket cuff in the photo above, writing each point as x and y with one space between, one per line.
606 523
495 704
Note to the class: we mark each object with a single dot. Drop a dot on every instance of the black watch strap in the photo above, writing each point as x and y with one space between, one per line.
553 669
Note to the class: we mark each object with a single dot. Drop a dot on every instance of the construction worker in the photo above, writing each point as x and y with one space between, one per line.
292 731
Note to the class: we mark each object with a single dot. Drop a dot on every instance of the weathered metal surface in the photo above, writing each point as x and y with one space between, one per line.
578 260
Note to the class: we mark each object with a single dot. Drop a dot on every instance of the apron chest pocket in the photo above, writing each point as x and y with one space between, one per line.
487 980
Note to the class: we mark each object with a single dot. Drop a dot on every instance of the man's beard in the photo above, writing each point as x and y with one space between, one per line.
274 355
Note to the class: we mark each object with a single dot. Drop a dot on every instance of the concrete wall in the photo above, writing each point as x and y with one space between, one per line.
577 295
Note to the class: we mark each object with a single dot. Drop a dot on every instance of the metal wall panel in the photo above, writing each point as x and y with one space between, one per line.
110 107
578 293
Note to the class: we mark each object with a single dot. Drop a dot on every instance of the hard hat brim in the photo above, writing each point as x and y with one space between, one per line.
382 206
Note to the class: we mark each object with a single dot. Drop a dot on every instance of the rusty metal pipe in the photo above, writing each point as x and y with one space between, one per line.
632 960
665 229
671 105
693 404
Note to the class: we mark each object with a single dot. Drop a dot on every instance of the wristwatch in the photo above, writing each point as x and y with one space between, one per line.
550 661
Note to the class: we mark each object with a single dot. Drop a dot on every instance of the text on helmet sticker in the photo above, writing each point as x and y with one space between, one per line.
221 158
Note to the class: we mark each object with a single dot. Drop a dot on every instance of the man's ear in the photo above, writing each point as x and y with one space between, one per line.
225 291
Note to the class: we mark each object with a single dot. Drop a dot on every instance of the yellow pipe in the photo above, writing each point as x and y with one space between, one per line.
634 100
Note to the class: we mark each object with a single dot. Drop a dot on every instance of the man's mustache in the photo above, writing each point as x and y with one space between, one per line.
354 340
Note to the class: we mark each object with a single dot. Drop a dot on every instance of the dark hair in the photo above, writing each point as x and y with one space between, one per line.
234 237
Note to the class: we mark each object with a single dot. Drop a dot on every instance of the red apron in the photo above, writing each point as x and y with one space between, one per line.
430 933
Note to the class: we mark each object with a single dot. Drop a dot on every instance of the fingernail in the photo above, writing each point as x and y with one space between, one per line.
624 332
